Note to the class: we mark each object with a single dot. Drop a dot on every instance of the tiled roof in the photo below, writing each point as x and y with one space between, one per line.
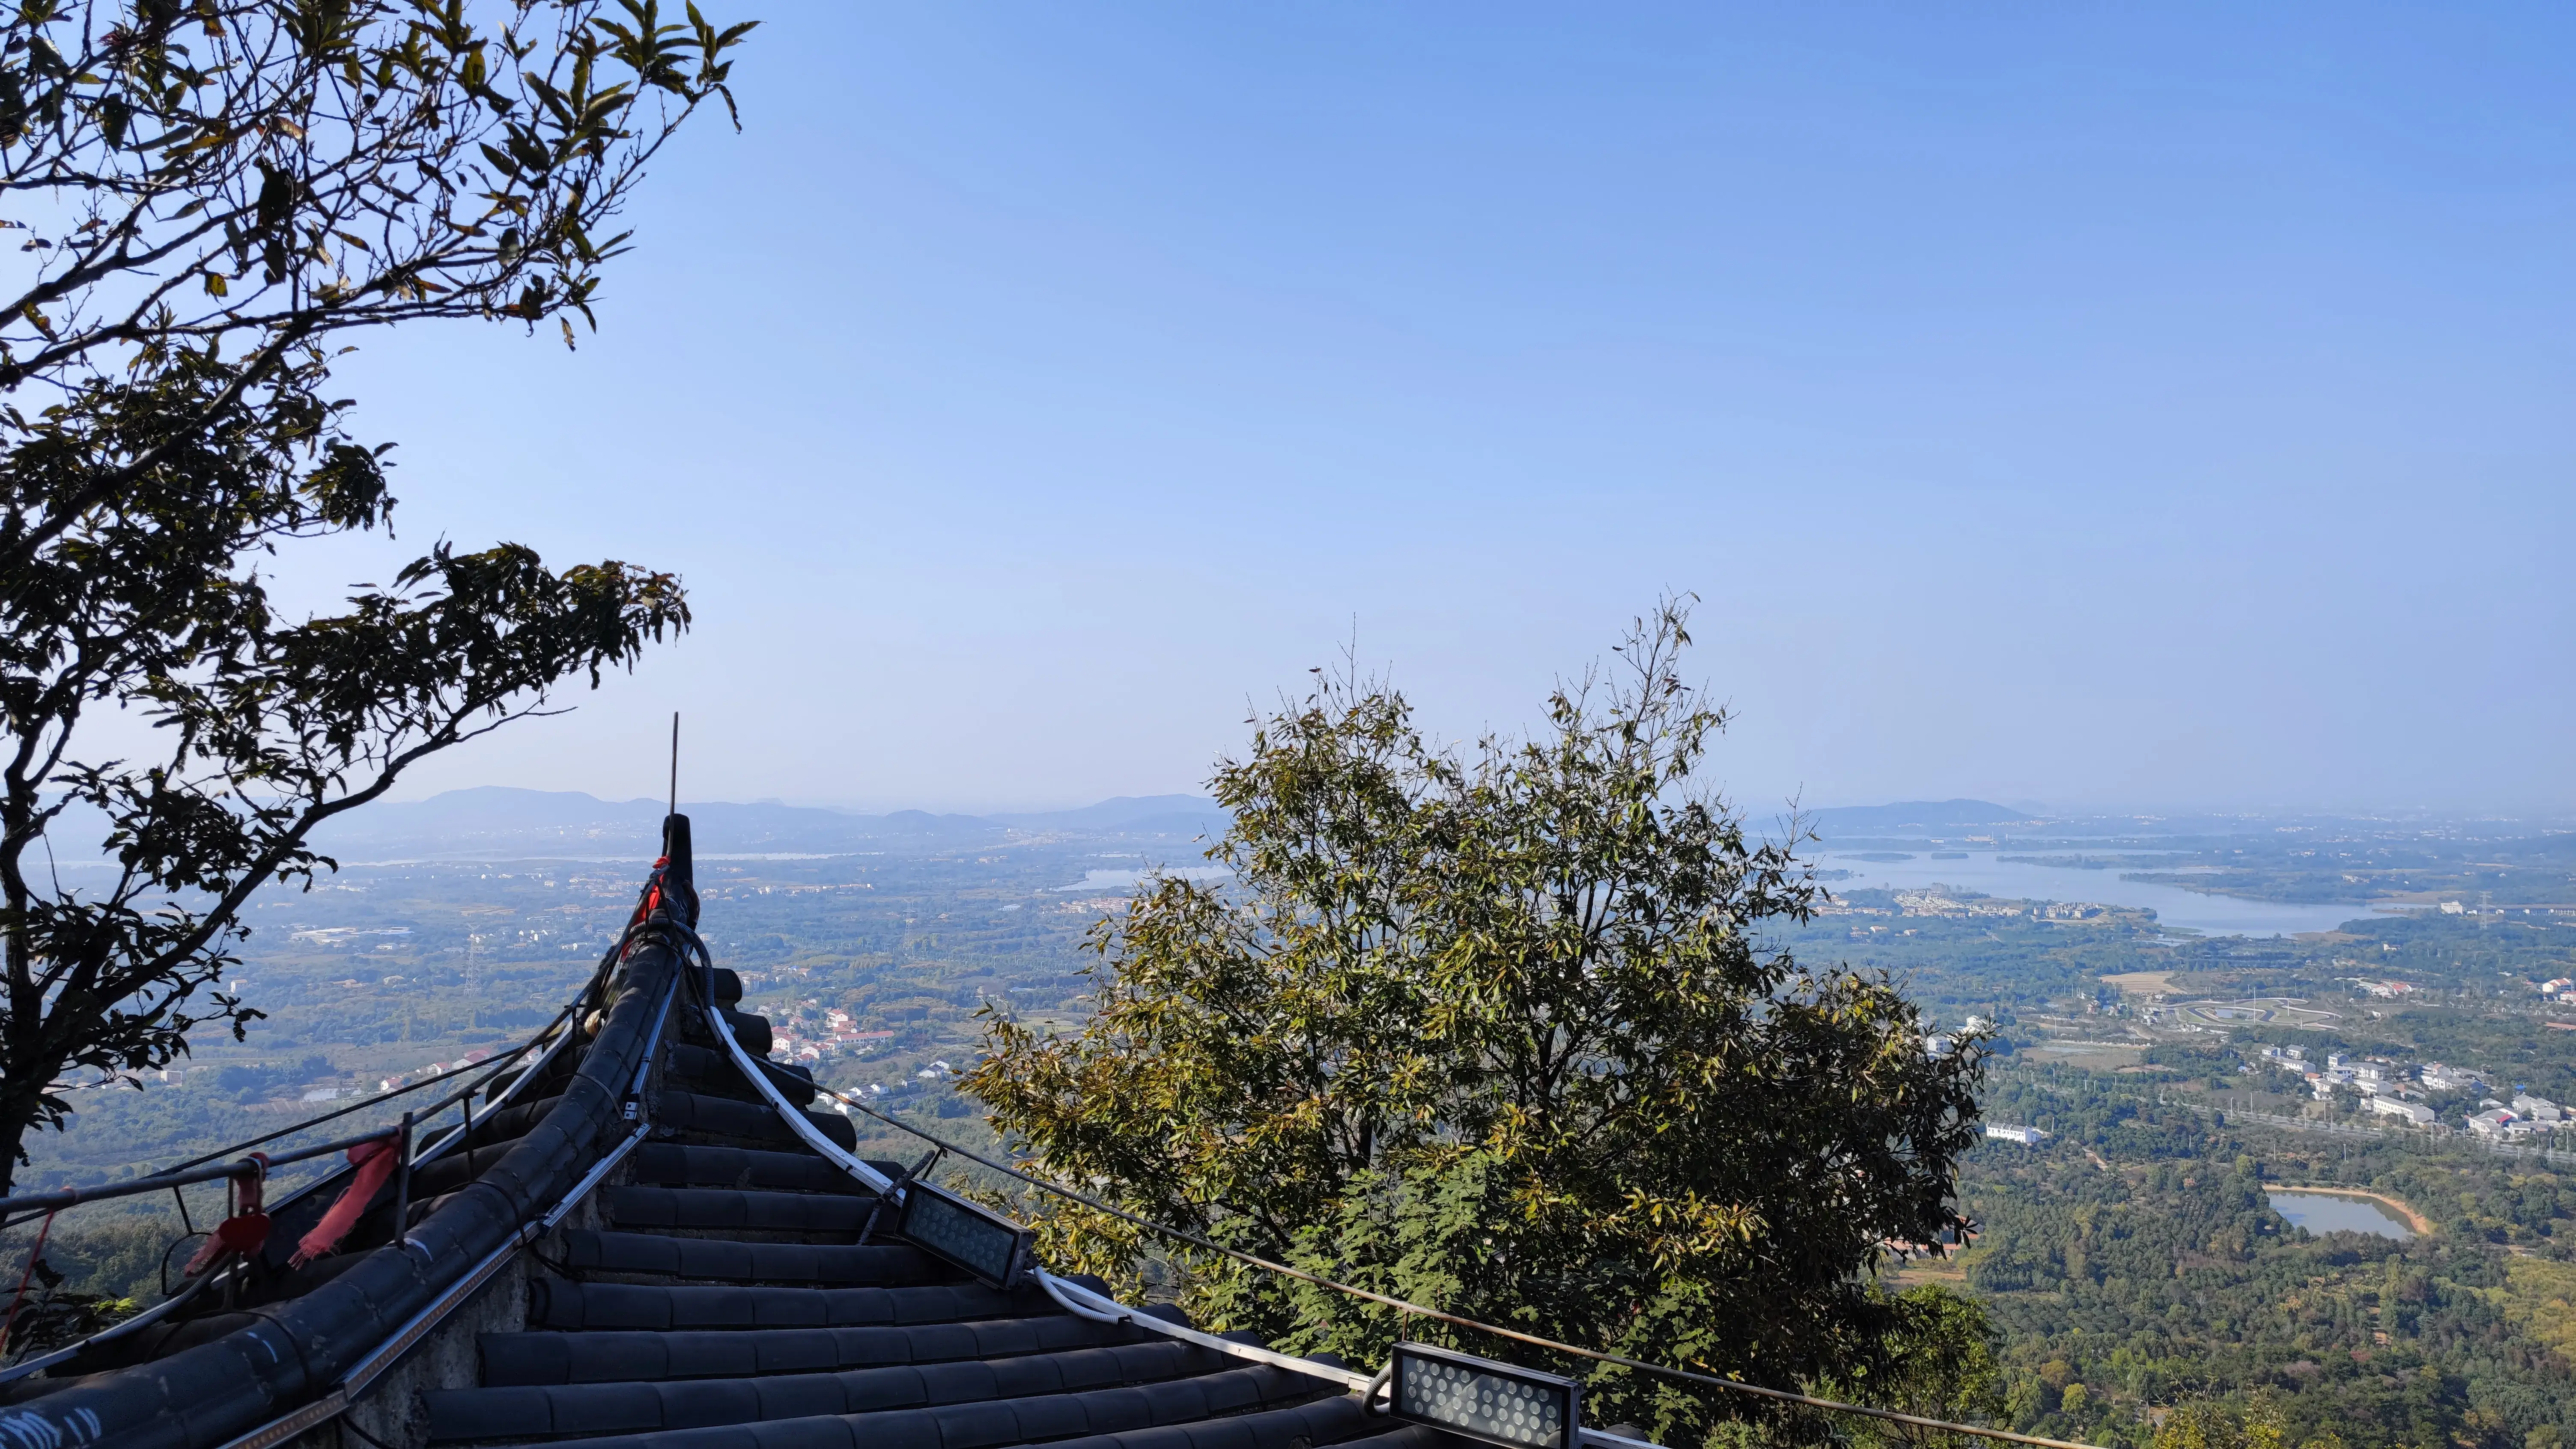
641 1245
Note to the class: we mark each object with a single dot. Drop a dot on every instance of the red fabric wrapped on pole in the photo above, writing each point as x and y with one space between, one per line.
376 1161
242 1233
246 1230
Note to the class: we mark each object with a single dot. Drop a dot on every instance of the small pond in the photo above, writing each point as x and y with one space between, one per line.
2325 1213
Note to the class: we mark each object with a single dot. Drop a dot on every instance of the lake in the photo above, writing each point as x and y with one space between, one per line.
2325 1213
2018 880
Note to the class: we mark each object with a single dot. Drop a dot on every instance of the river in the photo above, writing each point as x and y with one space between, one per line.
2017 880
1982 871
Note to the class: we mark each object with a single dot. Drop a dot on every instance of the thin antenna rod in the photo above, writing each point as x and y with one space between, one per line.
675 762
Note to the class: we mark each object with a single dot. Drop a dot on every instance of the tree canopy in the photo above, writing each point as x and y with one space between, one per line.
1497 1030
209 193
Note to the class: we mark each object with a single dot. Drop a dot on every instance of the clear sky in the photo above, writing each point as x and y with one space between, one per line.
2093 405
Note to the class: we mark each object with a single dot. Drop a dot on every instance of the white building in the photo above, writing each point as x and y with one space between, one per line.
2537 1109
2026 1136
2420 1116
2499 1122
2439 1078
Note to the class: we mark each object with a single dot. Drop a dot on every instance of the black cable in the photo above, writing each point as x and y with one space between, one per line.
383 1097
492 1067
496 1065
165 1257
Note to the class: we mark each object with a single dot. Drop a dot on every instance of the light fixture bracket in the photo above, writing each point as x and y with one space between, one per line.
1499 1403
966 1234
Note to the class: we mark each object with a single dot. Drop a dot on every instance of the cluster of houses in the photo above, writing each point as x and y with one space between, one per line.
2525 1116
2387 1087
2375 1079
840 1036
2559 989
1934 903
404 1079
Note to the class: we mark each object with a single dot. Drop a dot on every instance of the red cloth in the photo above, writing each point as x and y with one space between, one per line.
242 1233
245 1231
376 1161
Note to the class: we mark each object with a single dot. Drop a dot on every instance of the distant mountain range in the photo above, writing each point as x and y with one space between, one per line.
495 822
499 823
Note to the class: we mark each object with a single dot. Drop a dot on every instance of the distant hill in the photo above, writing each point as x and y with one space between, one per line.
1915 815
496 822
1131 815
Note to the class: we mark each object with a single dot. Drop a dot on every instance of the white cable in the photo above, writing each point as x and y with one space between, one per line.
1100 1308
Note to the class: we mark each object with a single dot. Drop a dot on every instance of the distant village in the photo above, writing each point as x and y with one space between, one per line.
801 1036
1936 903
2391 1089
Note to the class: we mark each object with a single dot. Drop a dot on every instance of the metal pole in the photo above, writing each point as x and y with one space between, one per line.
66 1197
402 1179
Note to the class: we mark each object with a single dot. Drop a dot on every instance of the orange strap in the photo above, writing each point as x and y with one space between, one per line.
376 1161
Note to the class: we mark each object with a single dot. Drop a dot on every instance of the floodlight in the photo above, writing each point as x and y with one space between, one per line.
982 1242
1496 1402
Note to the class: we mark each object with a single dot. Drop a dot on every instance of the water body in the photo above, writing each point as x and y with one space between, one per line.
2325 1213
2174 906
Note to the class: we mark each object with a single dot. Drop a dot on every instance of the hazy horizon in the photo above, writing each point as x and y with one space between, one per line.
1753 810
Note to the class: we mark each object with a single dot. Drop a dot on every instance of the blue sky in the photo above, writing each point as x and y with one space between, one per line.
2152 406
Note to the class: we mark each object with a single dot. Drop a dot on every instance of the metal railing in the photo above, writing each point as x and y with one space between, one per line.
528 1059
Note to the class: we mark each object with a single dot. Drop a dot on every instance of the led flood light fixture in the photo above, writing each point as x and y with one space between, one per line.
974 1238
1495 1402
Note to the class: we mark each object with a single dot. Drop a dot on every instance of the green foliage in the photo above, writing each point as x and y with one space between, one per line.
270 172
2210 1424
1498 1032
1939 1364
221 190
